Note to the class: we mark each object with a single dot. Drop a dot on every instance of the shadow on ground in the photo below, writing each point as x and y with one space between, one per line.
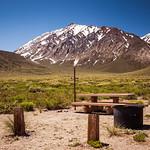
146 127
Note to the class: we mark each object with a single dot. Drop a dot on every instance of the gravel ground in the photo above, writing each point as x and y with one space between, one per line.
66 130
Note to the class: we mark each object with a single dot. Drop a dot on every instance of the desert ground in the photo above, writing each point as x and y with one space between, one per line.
66 130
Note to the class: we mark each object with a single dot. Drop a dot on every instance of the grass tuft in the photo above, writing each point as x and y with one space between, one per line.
28 106
113 131
9 124
97 144
129 131
147 116
140 137
74 144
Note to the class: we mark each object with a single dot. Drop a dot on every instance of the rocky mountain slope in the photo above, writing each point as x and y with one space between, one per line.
87 45
11 62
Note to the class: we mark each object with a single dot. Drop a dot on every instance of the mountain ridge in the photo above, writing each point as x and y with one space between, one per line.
87 45
11 62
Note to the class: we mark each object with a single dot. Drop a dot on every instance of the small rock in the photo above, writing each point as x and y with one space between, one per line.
59 110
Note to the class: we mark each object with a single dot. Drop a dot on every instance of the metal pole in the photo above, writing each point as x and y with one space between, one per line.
74 68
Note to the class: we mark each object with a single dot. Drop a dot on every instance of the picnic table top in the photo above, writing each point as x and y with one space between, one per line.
107 94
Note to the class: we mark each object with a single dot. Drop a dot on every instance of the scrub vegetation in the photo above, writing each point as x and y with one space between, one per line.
55 91
140 137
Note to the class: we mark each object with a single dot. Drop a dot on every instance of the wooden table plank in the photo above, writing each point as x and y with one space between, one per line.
107 94
95 104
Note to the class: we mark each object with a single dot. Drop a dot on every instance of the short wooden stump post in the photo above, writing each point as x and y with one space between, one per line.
93 127
19 124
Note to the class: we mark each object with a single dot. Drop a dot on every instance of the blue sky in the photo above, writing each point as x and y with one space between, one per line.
22 20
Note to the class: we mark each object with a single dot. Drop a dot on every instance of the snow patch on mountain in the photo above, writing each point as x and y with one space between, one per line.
146 38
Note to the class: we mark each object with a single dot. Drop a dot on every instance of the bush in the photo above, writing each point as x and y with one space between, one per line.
140 137
28 106
147 116
137 101
19 98
97 144
49 104
81 98
36 89
55 104
6 108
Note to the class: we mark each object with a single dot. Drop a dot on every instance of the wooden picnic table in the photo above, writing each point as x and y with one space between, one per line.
97 106
93 118
114 96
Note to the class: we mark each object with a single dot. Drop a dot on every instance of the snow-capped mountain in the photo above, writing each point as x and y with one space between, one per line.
86 45
146 38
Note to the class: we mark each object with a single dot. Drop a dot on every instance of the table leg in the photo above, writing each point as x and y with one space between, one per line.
115 99
94 100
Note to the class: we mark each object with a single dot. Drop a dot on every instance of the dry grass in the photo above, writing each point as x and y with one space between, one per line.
9 125
113 131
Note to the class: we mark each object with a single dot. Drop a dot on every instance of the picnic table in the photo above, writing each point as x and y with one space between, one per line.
114 96
94 105
132 113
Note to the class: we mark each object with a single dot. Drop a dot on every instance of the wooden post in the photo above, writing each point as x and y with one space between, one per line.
94 100
115 99
19 124
74 70
93 127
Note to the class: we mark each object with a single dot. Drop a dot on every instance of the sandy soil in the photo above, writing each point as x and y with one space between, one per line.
66 130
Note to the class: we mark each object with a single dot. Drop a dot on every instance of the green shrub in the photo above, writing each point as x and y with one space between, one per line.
36 89
28 106
81 98
97 144
55 104
19 98
49 104
147 115
137 101
6 108
140 137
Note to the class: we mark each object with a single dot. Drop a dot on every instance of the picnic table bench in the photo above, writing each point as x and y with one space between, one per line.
96 104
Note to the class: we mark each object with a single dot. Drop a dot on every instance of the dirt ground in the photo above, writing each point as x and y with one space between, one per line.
66 130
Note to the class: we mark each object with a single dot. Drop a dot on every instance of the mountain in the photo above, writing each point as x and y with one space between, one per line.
11 62
141 72
88 46
146 38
